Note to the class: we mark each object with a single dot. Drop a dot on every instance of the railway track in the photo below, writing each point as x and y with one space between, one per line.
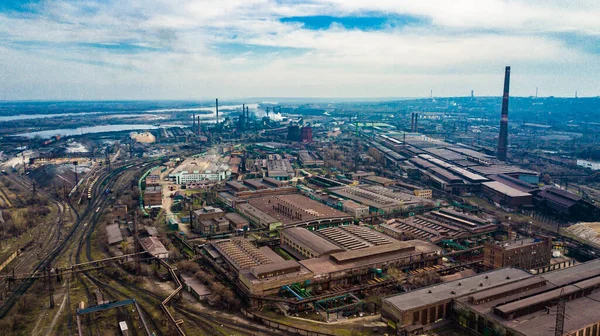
47 243
58 249
85 240
201 319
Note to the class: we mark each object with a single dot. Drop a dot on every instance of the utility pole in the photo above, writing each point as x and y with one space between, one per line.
50 285
34 196
137 245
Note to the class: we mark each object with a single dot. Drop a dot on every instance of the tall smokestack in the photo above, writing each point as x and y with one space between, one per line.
416 122
247 116
503 138
217 109
194 122
199 128
412 122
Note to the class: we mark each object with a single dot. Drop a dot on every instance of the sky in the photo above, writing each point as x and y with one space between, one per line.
200 49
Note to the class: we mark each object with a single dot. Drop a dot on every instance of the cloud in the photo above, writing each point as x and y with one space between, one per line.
181 49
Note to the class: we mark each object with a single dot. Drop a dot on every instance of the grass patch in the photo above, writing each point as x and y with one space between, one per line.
283 254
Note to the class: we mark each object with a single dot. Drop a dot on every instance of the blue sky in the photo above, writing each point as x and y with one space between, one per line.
187 49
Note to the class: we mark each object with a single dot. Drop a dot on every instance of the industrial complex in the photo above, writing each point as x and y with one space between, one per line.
416 217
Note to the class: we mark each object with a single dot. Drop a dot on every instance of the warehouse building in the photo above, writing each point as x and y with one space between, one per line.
563 203
237 222
529 306
410 312
525 175
507 301
307 244
447 176
153 246
379 199
436 226
113 234
259 218
310 159
331 260
505 196
279 168
294 210
515 183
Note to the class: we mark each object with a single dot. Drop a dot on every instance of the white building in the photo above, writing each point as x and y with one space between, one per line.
211 168
153 246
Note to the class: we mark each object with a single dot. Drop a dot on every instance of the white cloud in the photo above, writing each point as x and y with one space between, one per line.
46 54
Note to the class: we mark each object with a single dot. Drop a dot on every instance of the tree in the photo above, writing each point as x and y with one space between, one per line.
397 275
423 280
546 179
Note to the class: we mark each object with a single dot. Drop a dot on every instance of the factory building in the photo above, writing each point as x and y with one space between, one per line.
446 176
529 253
306 134
205 168
291 210
310 159
563 203
525 175
355 209
154 177
410 312
153 196
237 222
279 168
436 226
384 155
378 199
306 243
528 307
423 193
378 180
259 218
330 260
515 183
507 301
506 196
204 214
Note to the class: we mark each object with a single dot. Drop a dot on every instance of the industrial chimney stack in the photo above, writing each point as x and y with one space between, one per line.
503 138
416 123
217 109
247 117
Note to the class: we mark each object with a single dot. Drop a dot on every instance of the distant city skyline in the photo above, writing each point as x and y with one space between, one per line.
378 49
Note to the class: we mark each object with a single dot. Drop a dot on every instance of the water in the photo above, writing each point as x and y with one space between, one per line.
41 116
86 130
42 110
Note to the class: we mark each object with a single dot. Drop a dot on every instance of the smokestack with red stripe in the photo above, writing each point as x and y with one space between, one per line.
503 138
